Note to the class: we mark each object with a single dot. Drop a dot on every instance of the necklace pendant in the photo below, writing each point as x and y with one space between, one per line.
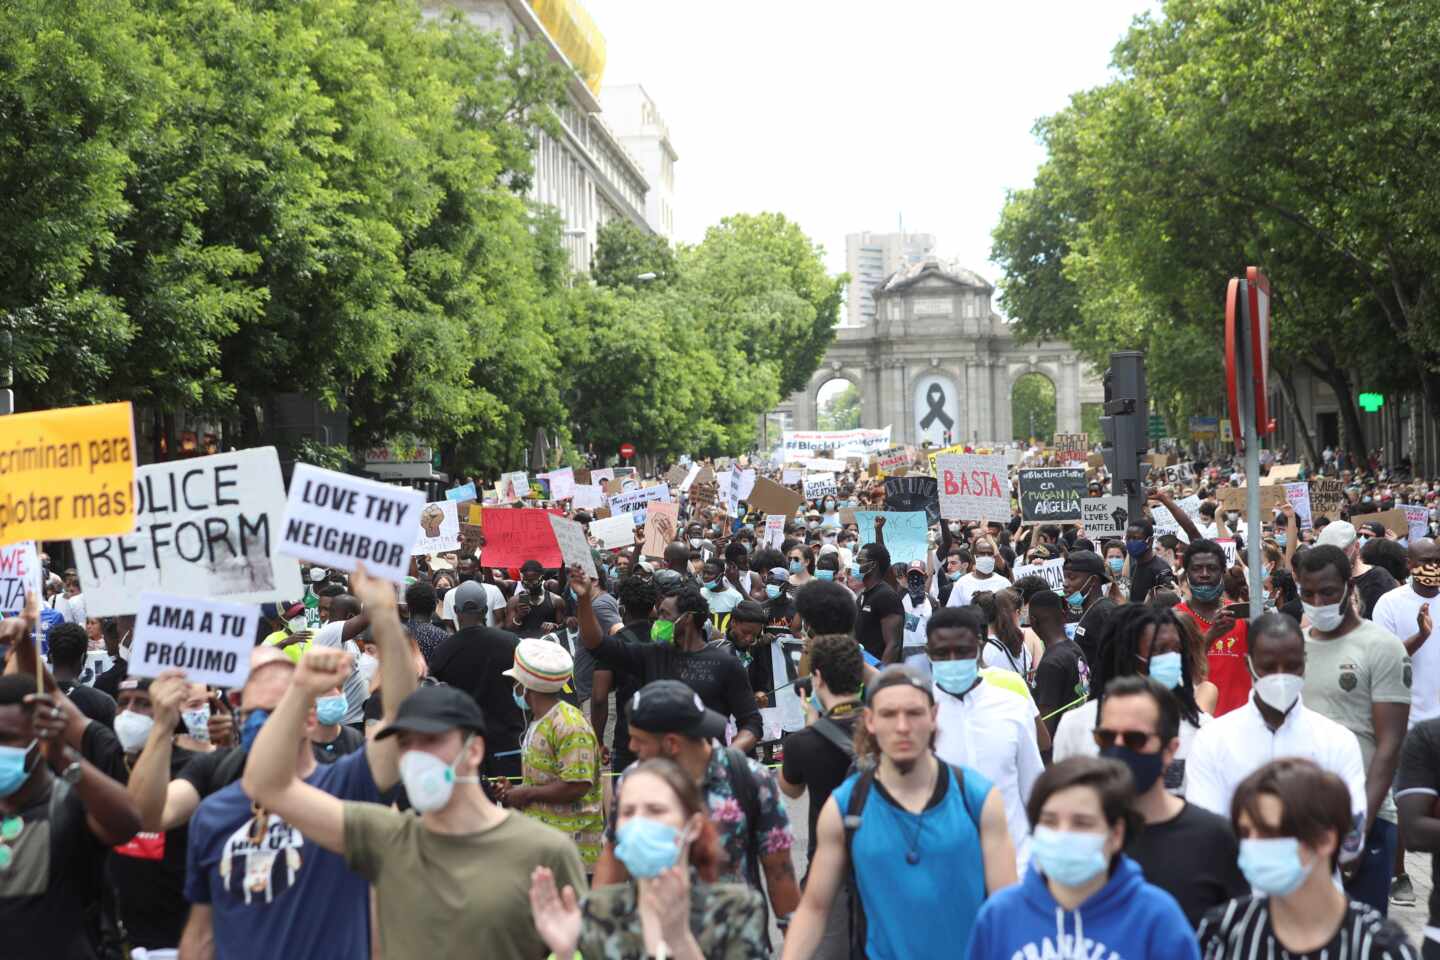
912 857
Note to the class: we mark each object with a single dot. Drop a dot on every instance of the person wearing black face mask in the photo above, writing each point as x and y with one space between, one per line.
1184 850
918 606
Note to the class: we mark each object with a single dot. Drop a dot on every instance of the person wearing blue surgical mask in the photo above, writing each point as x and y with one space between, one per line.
1291 818
329 738
1080 885
719 594
1086 606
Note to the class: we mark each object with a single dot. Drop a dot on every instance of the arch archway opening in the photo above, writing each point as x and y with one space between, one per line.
837 405
1033 408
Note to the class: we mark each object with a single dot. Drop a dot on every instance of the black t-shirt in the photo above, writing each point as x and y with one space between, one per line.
819 765
1090 629
1419 774
1144 576
876 603
96 705
47 889
147 877
347 742
109 681
210 772
548 610
474 660
625 685
1372 585
1061 677
715 674
1192 857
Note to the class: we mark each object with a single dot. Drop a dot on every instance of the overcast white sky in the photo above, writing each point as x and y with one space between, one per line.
845 115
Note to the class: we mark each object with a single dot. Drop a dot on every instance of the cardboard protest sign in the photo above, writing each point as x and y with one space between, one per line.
1327 496
662 526
1072 447
587 496
1053 572
1393 520
514 536
68 472
203 527
339 520
688 479
1105 516
466 492
1272 496
907 535
19 574
439 528
703 494
914 493
774 530
820 485
771 499
1165 521
974 486
1282 472
677 473
1095 460
1299 496
613 532
887 461
574 547
209 639
1417 521
1051 494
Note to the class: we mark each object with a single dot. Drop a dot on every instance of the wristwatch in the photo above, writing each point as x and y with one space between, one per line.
71 774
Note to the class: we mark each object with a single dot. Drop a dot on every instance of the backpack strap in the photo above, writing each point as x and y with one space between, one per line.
835 735
974 815
851 822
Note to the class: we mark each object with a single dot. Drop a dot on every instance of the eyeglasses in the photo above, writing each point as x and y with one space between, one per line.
1132 739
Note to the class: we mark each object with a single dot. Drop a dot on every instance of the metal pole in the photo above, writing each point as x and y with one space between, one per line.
1255 527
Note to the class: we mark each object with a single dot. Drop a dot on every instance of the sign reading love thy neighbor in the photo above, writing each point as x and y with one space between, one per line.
66 473
1051 494
338 520
209 639
19 574
973 486
204 527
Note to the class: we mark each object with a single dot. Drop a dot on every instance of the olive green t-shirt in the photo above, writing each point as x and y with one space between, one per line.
1346 676
447 895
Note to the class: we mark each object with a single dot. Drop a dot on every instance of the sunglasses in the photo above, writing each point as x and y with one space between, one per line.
1132 739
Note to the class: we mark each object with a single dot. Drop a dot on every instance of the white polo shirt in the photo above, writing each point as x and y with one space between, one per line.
1231 747
992 731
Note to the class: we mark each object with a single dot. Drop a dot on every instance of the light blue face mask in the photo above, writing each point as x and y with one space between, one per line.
1116 564
647 847
1272 865
772 590
1068 858
1165 670
955 676
954 575
1076 600
330 710
855 571
14 770
824 574
519 699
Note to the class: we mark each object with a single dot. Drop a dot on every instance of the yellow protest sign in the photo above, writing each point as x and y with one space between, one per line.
66 473
957 448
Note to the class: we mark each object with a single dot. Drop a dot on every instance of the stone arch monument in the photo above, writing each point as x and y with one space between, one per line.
938 359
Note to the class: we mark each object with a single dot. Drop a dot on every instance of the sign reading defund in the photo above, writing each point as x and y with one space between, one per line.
204 527
211 641
339 521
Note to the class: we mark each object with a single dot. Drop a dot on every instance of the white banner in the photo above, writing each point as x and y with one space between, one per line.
211 641
841 442
1105 516
820 485
613 532
973 486
204 527
19 574
1053 571
439 528
338 520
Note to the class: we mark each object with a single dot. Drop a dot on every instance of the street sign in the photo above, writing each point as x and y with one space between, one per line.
1371 402
627 450
1258 288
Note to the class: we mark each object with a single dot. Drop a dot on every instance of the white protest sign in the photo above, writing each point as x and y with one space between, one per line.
1232 553
587 497
1053 572
1417 518
774 530
1299 496
742 482
439 528
614 532
19 574
973 486
574 548
562 483
204 527
209 639
1165 521
1105 516
820 485
633 501
338 520
513 486
792 475
690 476
824 465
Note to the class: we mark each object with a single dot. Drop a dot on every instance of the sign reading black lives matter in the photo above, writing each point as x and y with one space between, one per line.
1051 494
204 527
208 639
1105 516
339 520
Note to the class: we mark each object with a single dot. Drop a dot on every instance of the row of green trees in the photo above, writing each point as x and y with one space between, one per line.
209 202
1297 135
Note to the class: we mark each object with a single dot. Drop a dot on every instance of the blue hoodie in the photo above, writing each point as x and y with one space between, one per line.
1127 919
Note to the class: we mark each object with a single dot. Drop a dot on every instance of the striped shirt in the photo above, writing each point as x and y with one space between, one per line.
1241 930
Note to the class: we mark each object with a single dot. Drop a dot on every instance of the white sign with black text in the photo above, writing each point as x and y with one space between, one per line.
339 520
209 639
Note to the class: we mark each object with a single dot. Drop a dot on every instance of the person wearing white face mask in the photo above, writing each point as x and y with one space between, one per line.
1081 888
1291 818
1274 723
982 577
1358 674
463 843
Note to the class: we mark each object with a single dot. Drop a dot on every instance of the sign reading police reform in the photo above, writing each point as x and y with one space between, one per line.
339 520
204 527
210 640
1051 494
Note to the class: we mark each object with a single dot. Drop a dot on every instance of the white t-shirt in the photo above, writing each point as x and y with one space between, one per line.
723 600
991 731
970 583
1075 738
1397 611
912 649
494 616
995 654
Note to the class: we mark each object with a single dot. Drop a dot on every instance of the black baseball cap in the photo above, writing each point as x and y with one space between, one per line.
669 706
436 709
1087 561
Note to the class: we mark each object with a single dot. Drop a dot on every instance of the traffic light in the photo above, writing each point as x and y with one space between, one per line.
1124 427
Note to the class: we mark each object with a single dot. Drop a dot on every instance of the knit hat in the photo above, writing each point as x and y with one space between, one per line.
541 665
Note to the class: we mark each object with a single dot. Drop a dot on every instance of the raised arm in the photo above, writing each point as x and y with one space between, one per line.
830 865
270 775
397 670
1181 517
590 634
164 804
109 812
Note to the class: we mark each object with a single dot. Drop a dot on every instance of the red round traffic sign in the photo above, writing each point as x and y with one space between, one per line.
627 450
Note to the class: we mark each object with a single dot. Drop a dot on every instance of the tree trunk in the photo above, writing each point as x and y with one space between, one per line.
1287 387
1352 433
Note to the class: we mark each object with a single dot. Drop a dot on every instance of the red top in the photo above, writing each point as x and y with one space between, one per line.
1226 658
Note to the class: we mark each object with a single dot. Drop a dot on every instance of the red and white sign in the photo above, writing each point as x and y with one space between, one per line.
627 450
